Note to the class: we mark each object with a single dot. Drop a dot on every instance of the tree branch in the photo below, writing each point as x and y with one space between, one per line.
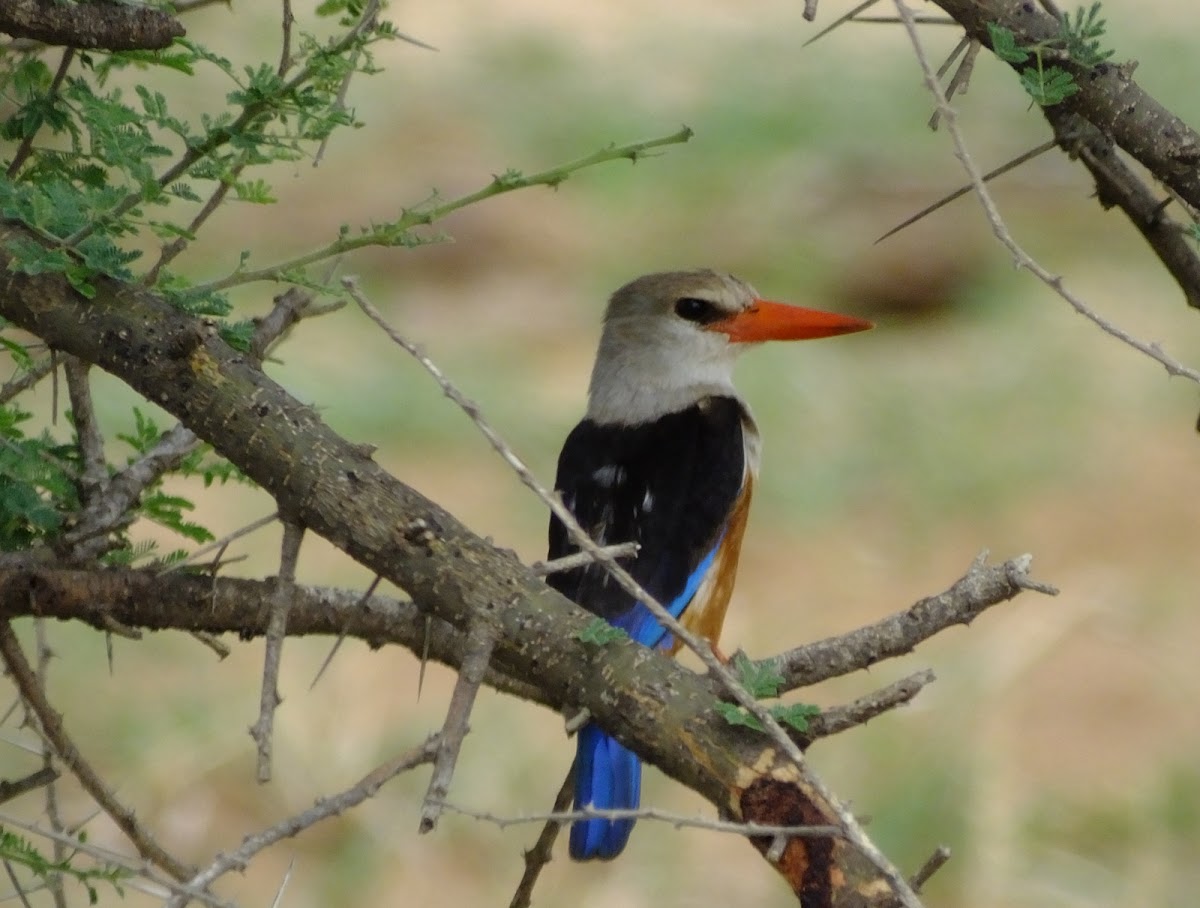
979 589
90 26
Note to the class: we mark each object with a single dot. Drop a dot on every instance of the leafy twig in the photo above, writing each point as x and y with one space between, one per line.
399 232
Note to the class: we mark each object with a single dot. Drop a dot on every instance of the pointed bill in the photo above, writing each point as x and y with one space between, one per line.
764 321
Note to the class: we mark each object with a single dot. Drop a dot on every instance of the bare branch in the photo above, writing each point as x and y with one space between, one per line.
840 20
932 865
481 641
749 830
579 559
31 782
323 809
841 718
26 379
963 190
52 727
980 588
537 857
281 604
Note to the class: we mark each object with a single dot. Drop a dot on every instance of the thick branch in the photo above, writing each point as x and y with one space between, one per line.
107 26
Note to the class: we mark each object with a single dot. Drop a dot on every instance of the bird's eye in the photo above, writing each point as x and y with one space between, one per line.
697 310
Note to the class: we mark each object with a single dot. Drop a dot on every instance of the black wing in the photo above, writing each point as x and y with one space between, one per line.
668 486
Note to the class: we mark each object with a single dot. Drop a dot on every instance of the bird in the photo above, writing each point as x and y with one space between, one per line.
666 457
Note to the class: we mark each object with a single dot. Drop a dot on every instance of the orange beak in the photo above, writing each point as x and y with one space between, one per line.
765 321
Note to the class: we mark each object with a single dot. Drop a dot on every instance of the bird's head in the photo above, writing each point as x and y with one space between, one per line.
670 339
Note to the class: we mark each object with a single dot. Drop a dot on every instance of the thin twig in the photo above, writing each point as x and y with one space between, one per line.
16 884
285 49
653 813
222 542
48 99
324 808
963 190
54 882
481 640
26 379
841 718
139 871
537 857
961 78
932 865
582 559
281 603
337 644
66 751
841 20
1022 259
401 230
339 102
35 780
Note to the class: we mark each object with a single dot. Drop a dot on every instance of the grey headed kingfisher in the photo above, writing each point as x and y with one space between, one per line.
666 457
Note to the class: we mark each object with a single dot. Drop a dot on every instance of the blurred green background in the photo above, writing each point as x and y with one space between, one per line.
1058 754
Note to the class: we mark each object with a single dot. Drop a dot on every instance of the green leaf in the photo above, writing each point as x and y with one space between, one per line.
600 633
1081 34
1048 86
760 680
1004 44
796 714
737 715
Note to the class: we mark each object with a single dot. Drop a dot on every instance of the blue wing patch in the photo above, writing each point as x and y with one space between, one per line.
641 624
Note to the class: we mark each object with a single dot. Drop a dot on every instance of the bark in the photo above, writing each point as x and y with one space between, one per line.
89 26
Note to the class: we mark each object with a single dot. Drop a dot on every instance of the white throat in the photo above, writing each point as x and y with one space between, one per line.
636 382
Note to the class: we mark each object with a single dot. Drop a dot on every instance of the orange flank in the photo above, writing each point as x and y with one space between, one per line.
706 613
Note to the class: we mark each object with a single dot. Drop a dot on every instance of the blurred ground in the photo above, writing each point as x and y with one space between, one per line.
1058 752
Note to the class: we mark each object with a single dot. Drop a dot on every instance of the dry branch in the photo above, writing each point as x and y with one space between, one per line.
979 589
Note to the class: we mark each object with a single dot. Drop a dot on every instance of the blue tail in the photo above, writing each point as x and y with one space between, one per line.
608 776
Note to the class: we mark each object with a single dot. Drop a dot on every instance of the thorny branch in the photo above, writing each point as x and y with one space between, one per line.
1021 258
479 643
979 589
51 725
281 604
324 808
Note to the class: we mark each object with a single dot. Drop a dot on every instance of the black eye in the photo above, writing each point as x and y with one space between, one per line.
697 310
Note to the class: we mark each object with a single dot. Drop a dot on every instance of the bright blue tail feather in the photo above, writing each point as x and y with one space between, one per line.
608 776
